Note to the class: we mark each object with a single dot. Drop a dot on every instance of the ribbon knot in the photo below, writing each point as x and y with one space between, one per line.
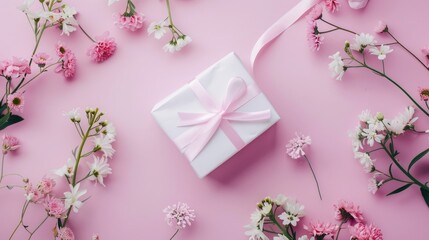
205 125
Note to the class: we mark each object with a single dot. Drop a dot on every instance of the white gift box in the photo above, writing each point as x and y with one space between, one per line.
219 145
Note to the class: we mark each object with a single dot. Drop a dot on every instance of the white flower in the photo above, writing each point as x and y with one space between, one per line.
110 2
356 138
105 145
68 26
52 17
255 233
109 131
292 213
170 47
366 161
382 52
73 115
158 29
280 237
66 170
374 184
372 135
399 123
29 196
183 41
72 198
280 200
25 6
304 237
99 169
68 12
337 66
266 208
362 41
255 217
365 116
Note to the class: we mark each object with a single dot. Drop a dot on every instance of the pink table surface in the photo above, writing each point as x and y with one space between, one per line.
149 173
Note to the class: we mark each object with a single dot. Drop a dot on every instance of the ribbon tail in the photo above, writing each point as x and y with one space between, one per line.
280 26
264 115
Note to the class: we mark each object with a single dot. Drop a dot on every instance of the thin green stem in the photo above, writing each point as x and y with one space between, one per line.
374 150
328 31
391 177
284 231
314 175
37 228
338 27
339 228
268 231
177 229
170 18
406 49
90 38
42 71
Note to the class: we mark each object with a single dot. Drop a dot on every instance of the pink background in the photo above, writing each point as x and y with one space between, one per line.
150 173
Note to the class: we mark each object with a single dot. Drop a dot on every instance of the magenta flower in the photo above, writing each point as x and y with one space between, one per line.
332 5
322 229
65 233
54 207
179 215
14 68
103 48
32 194
424 94
425 52
61 49
46 185
381 27
361 231
295 147
313 37
131 23
68 65
41 59
15 101
10 143
345 211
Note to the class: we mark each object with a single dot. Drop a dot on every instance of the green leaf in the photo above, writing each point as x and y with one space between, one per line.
4 119
400 189
10 121
2 107
425 194
417 158
392 149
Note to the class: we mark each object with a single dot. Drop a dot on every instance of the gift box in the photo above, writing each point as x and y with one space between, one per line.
215 115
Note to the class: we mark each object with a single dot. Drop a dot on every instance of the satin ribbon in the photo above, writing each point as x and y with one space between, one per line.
280 26
218 116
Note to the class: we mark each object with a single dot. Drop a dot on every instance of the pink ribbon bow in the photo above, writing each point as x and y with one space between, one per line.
205 125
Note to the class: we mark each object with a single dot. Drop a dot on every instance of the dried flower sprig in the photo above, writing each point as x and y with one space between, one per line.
130 19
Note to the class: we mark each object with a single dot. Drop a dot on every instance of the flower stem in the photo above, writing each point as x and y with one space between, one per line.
42 71
314 175
177 229
339 228
24 209
406 49
338 27
90 38
37 228
170 19
2 163
284 231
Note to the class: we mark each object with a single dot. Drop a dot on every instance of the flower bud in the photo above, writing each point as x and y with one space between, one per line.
379 116
25 180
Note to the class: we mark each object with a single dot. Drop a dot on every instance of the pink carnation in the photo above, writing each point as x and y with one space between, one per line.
14 68
15 101
61 49
322 229
132 23
425 52
314 38
68 65
381 27
32 194
179 215
65 233
295 147
41 59
332 5
103 49
46 185
10 143
345 211
54 206
361 231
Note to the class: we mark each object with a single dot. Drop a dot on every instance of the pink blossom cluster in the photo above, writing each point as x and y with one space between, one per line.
361 231
322 229
179 215
131 23
10 143
14 68
67 59
314 38
38 193
103 48
348 211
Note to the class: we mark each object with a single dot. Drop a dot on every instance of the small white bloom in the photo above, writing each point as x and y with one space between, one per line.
256 217
73 115
72 198
255 233
280 200
29 196
158 29
374 184
110 2
362 41
68 12
66 170
52 17
99 169
365 116
266 208
400 122
336 66
182 41
356 137
382 52
366 161
25 6
109 131
170 47
292 213
68 26
280 237
105 145
372 135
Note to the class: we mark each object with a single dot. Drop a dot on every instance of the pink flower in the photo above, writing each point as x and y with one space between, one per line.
65 233
358 4
10 143
103 49
95 237
315 13
345 211
295 147
15 101
32 194
425 52
14 68
61 49
41 59
424 94
46 185
54 206
68 65
132 23
361 231
381 27
332 5
179 215
322 229
313 37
